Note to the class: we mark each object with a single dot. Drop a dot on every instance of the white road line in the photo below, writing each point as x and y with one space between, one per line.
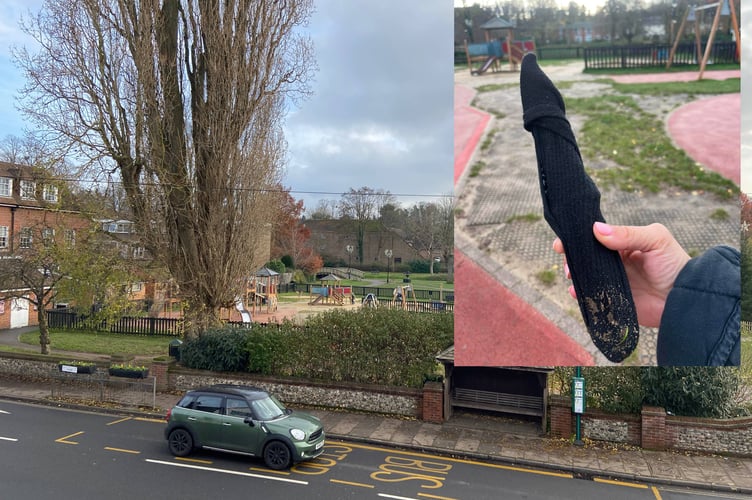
8 439
224 471
5 412
395 497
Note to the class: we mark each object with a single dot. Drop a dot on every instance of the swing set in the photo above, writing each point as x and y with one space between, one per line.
722 8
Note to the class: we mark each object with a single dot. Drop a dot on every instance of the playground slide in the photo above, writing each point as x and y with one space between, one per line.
244 314
486 65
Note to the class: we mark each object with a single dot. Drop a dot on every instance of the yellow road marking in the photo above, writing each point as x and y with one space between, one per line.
194 460
134 452
434 496
620 483
270 471
120 420
350 483
64 439
152 420
461 461
656 493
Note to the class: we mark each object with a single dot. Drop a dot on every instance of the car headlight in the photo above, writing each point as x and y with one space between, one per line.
297 434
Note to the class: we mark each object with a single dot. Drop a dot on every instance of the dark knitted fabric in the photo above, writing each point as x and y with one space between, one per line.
571 204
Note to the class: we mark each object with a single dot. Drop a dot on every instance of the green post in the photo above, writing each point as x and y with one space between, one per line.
578 403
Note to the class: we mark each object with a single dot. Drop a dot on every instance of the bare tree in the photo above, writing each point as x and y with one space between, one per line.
363 206
185 100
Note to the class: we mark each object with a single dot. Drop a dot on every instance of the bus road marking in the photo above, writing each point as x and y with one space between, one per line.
64 439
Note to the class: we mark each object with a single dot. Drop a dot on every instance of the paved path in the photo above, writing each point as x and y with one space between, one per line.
501 259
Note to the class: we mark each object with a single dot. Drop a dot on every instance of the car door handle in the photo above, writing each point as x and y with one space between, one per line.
192 419
227 423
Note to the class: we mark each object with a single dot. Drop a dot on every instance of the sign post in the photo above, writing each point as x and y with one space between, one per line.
578 403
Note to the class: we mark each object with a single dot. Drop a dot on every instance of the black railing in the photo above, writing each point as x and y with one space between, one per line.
385 292
657 55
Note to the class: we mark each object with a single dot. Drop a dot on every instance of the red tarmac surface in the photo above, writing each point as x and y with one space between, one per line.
494 327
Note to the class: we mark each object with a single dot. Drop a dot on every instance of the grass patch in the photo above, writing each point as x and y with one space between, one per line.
720 215
493 87
696 87
488 140
547 276
530 217
102 343
659 69
618 130
476 168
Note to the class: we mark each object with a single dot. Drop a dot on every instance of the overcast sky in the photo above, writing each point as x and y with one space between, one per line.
381 113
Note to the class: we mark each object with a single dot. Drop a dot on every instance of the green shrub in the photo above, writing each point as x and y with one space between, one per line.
693 391
220 350
372 346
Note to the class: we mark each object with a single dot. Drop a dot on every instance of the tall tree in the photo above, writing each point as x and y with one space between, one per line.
363 206
186 99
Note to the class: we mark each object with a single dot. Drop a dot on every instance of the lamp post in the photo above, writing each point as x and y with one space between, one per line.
349 249
388 253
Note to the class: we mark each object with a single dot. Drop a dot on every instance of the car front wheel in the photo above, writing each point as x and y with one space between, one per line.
180 442
277 455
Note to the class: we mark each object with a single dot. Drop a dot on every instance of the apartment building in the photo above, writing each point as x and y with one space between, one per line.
30 211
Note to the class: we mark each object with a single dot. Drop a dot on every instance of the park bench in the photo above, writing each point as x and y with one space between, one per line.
499 401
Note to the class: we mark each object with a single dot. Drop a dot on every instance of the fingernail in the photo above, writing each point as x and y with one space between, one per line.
603 228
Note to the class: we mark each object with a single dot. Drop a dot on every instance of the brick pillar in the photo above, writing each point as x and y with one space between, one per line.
653 432
160 369
560 415
433 402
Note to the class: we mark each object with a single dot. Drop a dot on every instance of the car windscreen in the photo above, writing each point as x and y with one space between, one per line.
267 408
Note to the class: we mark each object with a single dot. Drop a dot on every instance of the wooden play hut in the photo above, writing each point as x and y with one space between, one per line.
497 48
262 290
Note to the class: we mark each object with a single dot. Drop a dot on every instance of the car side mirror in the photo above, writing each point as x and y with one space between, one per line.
249 421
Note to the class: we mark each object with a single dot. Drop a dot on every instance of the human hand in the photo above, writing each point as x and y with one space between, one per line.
652 260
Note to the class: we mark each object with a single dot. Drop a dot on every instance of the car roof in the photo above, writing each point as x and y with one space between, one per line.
246 391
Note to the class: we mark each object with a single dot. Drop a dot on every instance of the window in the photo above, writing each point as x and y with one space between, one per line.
6 186
28 190
139 252
50 194
208 403
236 407
70 237
48 235
25 241
3 236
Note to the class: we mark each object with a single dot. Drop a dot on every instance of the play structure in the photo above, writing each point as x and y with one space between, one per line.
262 290
245 316
329 293
694 14
490 55
400 296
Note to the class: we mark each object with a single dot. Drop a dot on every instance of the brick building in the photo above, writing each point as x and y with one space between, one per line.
30 211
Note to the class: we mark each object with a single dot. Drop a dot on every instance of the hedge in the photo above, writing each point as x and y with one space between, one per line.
373 346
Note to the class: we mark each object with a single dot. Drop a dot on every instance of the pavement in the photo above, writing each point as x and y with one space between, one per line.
473 436
505 315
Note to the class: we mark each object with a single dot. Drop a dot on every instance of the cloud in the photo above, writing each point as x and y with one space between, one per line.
382 111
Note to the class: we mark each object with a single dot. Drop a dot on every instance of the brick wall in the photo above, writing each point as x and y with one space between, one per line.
433 402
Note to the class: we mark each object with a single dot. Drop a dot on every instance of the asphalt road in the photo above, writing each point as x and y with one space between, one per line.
53 453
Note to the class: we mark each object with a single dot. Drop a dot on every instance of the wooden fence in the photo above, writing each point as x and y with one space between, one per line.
65 319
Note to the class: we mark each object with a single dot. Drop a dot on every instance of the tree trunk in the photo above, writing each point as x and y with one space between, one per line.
44 331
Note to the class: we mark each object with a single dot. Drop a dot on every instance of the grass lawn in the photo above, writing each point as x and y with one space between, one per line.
102 343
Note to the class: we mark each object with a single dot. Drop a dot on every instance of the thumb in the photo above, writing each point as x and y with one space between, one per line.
631 238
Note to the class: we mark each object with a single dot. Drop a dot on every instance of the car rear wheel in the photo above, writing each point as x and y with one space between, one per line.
277 455
180 442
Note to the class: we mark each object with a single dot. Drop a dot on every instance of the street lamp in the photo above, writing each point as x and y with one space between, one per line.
388 254
349 249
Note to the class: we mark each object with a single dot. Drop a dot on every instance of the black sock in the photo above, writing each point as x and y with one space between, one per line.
571 204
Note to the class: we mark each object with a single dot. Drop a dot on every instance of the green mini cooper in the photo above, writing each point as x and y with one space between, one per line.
243 420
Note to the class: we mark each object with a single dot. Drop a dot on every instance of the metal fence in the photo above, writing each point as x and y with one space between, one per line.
656 55
102 388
